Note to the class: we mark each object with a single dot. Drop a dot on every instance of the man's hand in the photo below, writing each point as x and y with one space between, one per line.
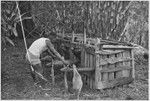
67 62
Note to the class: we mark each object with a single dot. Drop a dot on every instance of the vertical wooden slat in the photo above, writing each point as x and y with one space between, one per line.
94 62
122 55
65 81
91 64
85 59
111 76
130 63
133 68
52 73
105 76
118 74
98 84
125 73
129 53
82 57
90 60
93 82
90 80
87 80
84 36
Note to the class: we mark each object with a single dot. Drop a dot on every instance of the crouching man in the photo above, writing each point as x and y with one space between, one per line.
33 56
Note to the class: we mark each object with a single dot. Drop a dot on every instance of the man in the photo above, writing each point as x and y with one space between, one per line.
33 56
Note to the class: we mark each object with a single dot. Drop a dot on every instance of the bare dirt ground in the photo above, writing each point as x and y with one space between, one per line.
16 81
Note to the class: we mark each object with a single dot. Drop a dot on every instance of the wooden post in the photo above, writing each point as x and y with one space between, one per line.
88 60
52 73
98 83
133 68
91 80
84 36
65 82
105 76
85 58
82 57
97 44
124 72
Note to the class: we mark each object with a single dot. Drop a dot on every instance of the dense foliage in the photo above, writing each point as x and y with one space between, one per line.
113 20
9 20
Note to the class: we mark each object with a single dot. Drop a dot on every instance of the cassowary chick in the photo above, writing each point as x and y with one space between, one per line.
77 82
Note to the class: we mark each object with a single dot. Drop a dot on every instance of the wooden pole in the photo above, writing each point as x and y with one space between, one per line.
82 57
97 72
52 73
65 82
22 27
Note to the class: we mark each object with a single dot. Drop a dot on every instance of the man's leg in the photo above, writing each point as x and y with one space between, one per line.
38 73
33 74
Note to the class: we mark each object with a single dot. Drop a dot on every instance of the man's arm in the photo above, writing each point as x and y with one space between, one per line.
51 47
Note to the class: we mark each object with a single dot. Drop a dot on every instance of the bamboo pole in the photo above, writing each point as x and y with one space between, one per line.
22 27
52 73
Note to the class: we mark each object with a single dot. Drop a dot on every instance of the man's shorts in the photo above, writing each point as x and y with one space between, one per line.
33 59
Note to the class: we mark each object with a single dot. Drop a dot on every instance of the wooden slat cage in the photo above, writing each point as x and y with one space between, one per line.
103 64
